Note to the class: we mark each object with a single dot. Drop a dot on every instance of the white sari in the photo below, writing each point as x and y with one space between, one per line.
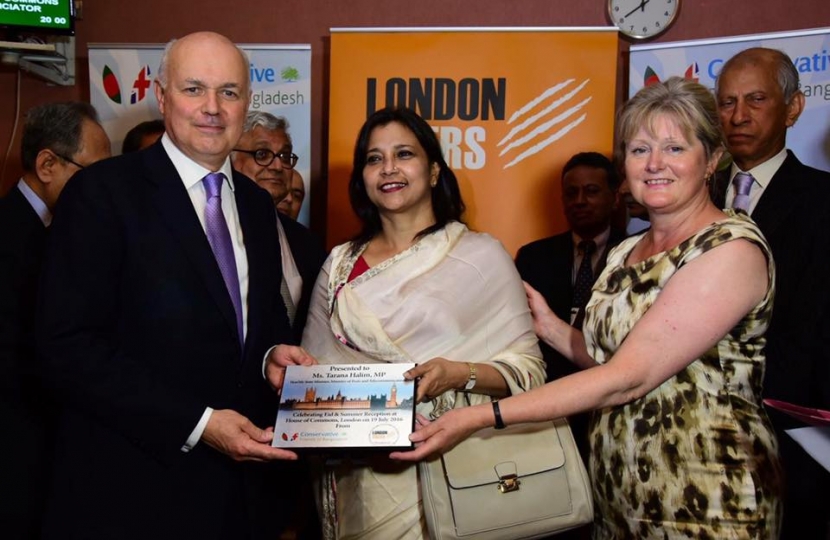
454 294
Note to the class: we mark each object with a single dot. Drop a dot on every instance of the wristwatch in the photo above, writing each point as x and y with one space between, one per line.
471 381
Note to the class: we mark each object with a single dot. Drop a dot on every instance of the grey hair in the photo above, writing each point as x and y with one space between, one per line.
56 126
161 75
786 72
267 121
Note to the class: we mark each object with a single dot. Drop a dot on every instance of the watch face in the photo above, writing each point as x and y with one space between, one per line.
641 19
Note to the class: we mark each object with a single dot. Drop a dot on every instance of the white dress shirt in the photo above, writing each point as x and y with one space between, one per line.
601 240
36 202
290 272
191 174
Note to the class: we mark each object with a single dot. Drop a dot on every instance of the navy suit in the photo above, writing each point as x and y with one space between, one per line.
309 256
25 412
794 215
137 335
547 266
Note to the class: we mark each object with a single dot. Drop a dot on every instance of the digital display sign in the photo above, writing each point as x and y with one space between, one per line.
47 16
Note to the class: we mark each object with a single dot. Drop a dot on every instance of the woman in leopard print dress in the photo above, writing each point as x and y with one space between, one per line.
672 352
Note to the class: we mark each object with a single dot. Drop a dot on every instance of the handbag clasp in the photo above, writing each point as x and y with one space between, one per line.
508 481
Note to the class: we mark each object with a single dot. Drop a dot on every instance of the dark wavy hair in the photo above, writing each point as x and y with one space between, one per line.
446 196
56 126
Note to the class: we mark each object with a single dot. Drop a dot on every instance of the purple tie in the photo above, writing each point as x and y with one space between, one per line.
220 242
743 183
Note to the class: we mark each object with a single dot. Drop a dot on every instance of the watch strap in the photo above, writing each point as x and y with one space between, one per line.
497 413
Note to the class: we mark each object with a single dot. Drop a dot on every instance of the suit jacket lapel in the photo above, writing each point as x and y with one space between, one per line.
173 203
780 197
257 272
717 189
561 263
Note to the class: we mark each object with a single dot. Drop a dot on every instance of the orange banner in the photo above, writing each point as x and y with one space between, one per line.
509 106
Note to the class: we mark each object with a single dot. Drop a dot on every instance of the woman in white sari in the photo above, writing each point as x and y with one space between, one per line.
415 286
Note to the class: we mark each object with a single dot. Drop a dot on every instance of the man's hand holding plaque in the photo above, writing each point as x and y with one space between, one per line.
282 356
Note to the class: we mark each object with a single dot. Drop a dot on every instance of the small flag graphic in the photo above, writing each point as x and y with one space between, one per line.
692 72
111 87
650 77
141 85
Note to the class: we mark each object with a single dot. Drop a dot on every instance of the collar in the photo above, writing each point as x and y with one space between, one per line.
189 171
601 240
36 203
764 172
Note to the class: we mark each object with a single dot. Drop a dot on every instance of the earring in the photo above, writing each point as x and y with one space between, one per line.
434 182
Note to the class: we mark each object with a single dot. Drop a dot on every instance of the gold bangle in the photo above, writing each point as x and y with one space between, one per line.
471 380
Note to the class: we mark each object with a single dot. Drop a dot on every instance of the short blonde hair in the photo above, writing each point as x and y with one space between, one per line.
689 104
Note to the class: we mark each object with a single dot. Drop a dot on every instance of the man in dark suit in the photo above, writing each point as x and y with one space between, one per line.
158 305
265 154
551 265
58 140
555 266
758 99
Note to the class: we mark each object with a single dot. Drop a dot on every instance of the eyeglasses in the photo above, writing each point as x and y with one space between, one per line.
265 157
73 162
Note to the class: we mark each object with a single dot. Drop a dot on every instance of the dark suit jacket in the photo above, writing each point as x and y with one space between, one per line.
547 265
309 256
137 335
25 415
794 215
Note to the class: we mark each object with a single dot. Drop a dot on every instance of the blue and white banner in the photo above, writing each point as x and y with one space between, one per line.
121 76
702 61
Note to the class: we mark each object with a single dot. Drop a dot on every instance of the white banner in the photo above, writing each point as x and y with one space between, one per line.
702 61
121 76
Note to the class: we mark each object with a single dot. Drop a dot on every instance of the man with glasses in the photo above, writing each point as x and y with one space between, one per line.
58 140
265 154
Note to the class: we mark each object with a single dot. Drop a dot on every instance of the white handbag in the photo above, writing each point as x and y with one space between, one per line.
524 481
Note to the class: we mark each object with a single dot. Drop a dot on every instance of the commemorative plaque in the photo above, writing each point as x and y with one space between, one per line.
346 406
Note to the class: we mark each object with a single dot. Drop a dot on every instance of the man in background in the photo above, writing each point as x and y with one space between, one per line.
142 135
265 154
158 304
291 204
758 100
564 267
638 219
58 140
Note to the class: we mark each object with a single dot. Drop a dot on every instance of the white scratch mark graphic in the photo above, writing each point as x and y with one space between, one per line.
535 101
544 111
547 142
541 128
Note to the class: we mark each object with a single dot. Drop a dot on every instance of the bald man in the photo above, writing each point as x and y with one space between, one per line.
159 304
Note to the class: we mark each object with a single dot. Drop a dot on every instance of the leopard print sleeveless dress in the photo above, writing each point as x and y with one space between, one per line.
696 457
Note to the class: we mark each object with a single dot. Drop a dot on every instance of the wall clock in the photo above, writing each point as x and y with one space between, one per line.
643 19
